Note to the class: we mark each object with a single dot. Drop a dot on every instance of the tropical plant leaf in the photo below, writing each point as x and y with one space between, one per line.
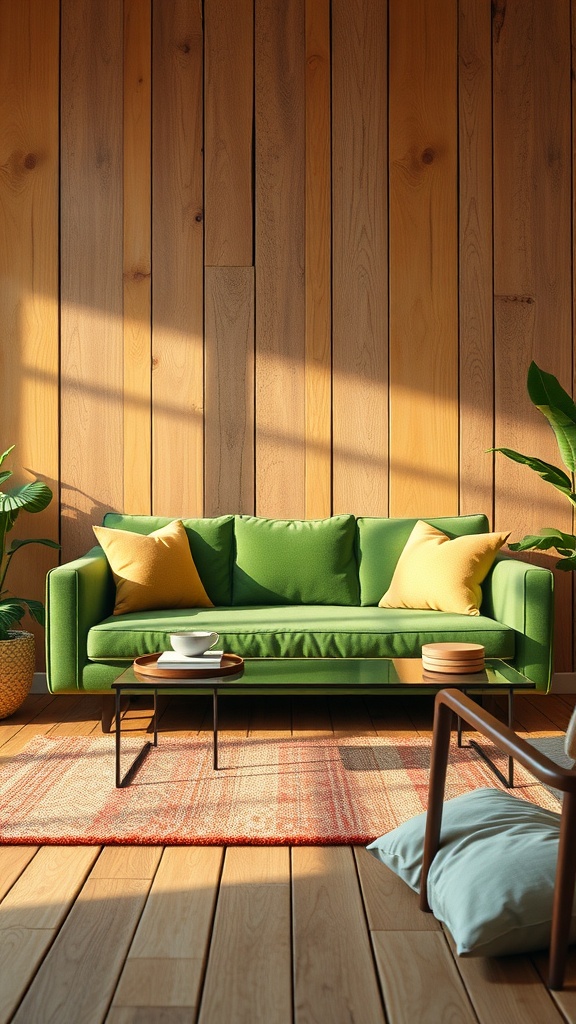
567 564
33 497
11 611
34 540
551 474
557 406
36 609
6 453
564 543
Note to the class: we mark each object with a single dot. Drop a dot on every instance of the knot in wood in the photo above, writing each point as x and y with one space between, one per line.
428 156
30 161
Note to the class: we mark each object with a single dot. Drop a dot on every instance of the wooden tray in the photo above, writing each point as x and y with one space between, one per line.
146 667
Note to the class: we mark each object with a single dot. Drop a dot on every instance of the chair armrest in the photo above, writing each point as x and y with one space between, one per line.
521 595
78 595
543 769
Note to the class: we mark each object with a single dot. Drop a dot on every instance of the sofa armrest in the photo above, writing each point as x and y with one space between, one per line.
78 595
521 595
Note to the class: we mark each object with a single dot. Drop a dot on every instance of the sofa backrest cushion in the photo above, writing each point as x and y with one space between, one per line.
380 543
295 561
211 543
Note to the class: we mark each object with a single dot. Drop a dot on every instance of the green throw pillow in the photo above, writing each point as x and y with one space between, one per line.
295 561
492 880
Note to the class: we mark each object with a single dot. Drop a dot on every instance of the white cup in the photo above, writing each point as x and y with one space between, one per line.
191 644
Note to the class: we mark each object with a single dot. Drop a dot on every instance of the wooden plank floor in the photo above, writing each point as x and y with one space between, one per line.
240 935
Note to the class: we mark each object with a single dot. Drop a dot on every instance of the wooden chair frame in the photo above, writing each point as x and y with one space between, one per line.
449 702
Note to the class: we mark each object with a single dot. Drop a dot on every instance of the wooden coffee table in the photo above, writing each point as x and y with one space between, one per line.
357 676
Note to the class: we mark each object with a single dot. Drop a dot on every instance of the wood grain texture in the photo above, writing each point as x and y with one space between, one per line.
499 990
229 407
476 374
532 254
178 916
248 970
177 256
419 979
280 252
29 171
165 964
318 420
228 127
390 904
44 892
360 257
127 862
103 918
333 969
31 913
137 257
423 259
13 861
506 989
91 268
565 1000
347 218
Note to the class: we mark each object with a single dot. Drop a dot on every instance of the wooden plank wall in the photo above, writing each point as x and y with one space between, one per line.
286 259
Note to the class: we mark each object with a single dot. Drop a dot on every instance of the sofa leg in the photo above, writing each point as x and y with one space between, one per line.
108 701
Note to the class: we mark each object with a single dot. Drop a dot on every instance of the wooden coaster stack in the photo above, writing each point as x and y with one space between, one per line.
456 658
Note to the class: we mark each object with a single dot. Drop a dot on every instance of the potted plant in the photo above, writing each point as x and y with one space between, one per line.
557 406
17 659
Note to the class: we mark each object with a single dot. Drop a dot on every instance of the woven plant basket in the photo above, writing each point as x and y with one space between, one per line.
17 663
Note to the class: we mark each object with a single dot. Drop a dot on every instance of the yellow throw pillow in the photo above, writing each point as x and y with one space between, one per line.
155 570
434 572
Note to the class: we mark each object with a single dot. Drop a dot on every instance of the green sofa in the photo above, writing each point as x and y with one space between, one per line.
291 589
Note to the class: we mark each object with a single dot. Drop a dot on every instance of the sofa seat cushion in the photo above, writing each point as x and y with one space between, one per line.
309 631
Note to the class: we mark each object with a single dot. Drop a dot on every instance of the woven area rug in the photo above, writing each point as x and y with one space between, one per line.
269 791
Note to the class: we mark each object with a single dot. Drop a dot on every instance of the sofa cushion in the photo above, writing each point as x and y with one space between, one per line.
380 543
442 573
153 571
295 561
300 631
211 543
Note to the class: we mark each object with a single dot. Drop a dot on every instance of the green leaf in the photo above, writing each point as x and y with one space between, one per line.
551 474
546 539
557 406
6 453
567 564
35 540
36 609
33 497
11 611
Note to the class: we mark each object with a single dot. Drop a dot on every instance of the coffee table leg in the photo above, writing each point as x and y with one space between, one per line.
117 725
508 782
121 782
215 725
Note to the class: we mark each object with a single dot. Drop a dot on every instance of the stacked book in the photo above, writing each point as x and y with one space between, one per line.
456 658
171 659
